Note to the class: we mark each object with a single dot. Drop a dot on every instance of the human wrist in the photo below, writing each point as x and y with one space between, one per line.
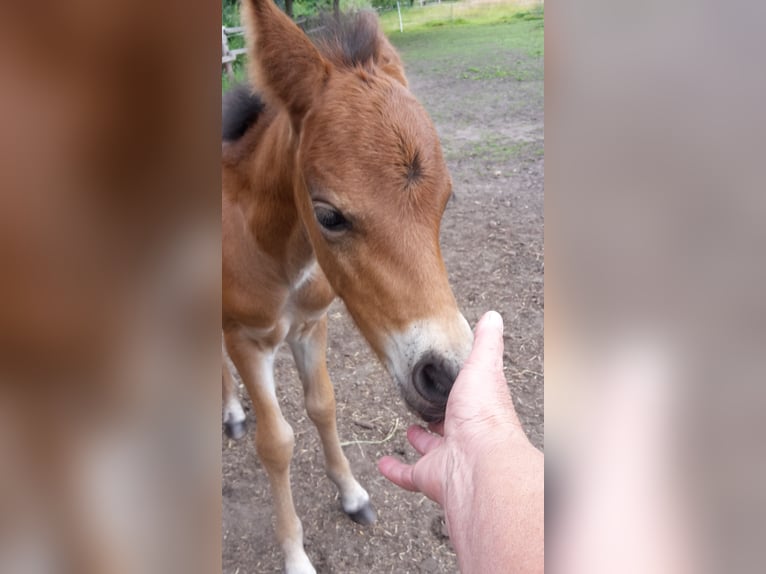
498 521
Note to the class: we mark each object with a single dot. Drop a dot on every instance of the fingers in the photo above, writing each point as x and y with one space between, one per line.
437 428
487 352
423 441
402 475
427 475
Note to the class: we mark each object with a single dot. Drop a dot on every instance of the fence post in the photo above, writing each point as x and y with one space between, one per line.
227 58
399 9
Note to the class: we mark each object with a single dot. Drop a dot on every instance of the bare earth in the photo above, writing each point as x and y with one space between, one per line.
491 126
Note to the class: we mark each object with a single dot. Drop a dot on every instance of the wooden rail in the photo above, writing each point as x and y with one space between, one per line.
229 56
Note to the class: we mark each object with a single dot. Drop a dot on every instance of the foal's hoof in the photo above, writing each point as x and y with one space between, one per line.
235 430
365 515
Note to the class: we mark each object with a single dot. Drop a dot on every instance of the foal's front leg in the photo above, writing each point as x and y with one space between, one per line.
309 347
274 442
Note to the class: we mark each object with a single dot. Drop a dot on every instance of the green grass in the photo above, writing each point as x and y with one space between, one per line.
463 42
458 14
475 52
441 34
240 74
442 23
520 72
497 149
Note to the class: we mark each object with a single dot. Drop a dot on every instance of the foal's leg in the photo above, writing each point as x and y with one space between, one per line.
274 442
233 414
309 348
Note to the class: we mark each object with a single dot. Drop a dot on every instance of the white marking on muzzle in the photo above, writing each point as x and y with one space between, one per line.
448 339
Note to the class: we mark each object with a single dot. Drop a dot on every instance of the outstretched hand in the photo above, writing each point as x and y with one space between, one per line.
479 418
481 468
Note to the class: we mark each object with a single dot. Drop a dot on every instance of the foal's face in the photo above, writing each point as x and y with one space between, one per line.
371 189
375 188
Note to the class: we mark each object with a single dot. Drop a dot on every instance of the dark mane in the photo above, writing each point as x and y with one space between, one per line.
349 42
239 111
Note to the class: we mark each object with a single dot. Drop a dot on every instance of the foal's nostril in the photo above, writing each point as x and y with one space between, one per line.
433 379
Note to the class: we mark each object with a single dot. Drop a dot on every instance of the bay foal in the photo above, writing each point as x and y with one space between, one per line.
333 184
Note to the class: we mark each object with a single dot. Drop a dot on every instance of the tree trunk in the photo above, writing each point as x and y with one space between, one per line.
289 8
336 8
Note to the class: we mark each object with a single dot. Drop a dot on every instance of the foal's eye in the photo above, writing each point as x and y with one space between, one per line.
331 219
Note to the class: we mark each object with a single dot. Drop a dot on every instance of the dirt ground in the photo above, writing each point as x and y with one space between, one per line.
486 99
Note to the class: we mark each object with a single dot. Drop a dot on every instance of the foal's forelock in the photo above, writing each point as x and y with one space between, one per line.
355 41
349 41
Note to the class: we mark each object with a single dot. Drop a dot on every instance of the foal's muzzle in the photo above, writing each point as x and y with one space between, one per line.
433 378
425 359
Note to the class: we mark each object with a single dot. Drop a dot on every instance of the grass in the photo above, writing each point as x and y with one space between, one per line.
459 14
461 41
478 52
240 75
441 34
519 73
497 149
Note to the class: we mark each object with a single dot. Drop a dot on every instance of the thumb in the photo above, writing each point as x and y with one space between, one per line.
481 380
487 352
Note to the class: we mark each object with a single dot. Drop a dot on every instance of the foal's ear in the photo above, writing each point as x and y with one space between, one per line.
389 60
283 62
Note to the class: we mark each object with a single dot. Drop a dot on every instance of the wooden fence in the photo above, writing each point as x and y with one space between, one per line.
229 56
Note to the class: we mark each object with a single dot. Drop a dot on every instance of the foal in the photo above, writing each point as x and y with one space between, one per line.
333 184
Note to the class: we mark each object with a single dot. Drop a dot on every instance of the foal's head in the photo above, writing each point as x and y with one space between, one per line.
371 189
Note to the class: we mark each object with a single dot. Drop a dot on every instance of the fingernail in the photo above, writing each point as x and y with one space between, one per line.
493 319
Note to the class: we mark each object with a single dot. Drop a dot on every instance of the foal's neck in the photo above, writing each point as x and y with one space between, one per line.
272 212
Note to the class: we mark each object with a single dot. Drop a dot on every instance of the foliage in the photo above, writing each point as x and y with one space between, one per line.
301 8
304 8
230 13
386 4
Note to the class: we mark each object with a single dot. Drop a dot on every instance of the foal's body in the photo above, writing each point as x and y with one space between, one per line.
275 292
333 184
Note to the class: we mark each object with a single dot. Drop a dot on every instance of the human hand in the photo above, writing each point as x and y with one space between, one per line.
481 468
480 422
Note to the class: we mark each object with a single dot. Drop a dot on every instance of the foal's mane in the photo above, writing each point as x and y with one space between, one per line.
240 109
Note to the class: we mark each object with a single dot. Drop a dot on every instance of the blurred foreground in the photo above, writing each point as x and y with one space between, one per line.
109 297
654 287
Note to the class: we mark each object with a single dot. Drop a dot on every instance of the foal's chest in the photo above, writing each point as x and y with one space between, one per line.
309 297
303 303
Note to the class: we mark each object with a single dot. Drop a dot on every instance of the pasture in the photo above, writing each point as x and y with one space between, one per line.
481 80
